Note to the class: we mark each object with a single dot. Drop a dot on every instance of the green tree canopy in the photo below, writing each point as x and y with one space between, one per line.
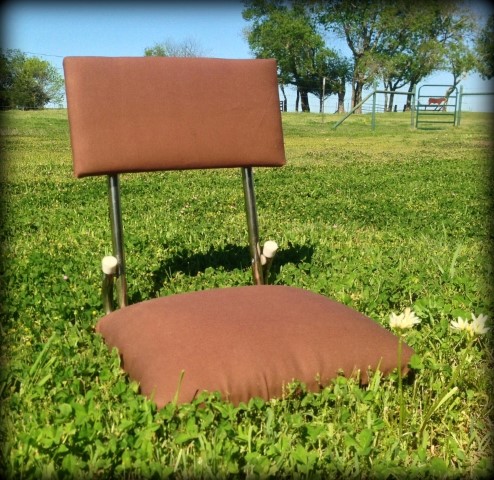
399 42
188 47
363 25
485 50
287 33
459 61
402 42
28 82
330 74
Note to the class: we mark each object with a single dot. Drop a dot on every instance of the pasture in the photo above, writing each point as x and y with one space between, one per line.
379 220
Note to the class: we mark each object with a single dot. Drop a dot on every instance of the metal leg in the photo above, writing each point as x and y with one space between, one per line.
117 237
252 225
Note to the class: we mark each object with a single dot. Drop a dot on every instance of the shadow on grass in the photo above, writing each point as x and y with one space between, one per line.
228 258
293 254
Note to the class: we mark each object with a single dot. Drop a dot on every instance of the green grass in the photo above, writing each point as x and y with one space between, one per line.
378 220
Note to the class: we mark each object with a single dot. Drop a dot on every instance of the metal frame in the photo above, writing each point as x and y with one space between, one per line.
118 247
107 292
252 225
260 264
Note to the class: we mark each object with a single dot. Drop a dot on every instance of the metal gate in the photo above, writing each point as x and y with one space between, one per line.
436 108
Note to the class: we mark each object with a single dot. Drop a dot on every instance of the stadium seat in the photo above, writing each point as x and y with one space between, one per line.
149 114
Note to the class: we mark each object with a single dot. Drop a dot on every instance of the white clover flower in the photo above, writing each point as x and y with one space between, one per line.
403 321
395 320
478 324
461 324
476 327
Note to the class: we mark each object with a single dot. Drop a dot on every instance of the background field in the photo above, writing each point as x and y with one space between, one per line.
378 220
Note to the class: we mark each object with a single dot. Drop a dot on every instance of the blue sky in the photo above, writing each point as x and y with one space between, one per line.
52 30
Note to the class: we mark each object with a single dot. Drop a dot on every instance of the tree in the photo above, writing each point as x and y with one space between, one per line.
287 33
331 73
409 51
485 50
394 69
28 82
442 29
459 61
339 74
6 78
363 25
400 41
171 48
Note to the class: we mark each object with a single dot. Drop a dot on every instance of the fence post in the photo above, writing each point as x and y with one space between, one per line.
459 100
373 124
322 99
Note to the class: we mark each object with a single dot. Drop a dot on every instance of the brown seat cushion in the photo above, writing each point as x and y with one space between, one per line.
245 342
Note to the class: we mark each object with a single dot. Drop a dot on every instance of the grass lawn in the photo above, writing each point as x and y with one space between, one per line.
379 220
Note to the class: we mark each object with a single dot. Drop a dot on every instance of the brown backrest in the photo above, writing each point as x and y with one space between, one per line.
136 114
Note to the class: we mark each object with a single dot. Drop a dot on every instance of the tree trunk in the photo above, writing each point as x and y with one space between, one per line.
391 100
408 105
297 100
357 88
341 102
387 106
282 88
304 100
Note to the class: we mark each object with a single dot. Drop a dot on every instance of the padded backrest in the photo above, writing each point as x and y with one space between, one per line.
136 114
